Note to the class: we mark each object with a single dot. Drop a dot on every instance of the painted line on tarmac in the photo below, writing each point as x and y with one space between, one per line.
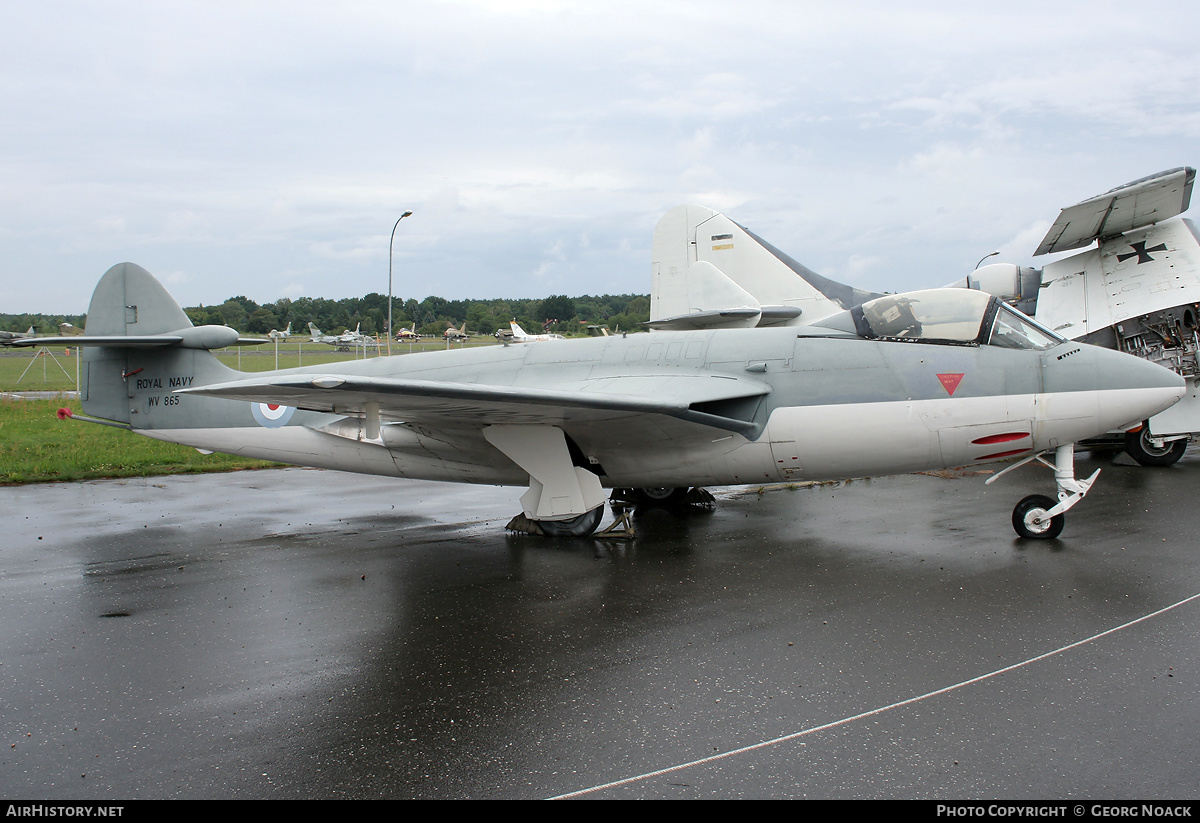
873 712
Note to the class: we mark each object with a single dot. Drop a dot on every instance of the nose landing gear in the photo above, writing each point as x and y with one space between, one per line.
1039 517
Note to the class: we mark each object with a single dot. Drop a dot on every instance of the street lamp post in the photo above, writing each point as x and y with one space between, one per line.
390 242
985 257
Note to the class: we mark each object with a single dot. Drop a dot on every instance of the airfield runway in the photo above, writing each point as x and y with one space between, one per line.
309 634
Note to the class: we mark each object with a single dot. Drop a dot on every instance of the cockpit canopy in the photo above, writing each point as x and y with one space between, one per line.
945 316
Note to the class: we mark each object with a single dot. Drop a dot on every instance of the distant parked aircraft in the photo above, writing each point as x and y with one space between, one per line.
344 341
7 337
519 335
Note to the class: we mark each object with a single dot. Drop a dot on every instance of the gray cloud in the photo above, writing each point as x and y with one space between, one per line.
266 148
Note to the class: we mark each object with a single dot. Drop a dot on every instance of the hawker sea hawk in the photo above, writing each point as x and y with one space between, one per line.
926 380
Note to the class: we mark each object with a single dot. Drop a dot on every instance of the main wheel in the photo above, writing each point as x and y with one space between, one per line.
580 526
661 497
1142 449
1029 518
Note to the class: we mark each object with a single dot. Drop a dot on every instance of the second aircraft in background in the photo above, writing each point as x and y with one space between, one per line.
1137 290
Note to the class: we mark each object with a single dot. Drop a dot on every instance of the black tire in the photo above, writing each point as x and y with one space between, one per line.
661 497
1029 521
580 526
1139 447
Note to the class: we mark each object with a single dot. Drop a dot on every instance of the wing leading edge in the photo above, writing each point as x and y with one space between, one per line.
722 403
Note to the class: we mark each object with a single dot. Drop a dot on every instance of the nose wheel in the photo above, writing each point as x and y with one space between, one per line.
1039 517
1031 520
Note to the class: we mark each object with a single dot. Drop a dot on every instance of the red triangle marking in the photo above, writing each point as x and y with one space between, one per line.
950 382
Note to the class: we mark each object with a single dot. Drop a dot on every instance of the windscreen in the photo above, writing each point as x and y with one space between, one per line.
1013 330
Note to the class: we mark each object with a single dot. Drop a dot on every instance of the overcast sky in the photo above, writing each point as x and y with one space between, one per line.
267 148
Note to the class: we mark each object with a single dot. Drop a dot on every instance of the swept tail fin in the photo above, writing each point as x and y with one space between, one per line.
136 337
705 263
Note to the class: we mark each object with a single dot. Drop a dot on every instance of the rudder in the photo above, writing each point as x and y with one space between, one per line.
130 303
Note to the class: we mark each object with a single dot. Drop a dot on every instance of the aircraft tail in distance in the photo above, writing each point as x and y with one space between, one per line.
710 272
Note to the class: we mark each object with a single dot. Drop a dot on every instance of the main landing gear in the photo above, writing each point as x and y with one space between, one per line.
667 498
580 526
623 501
1149 450
1039 517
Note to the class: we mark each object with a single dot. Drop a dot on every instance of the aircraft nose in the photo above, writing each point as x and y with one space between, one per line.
1127 389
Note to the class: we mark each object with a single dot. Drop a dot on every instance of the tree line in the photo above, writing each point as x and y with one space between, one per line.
433 315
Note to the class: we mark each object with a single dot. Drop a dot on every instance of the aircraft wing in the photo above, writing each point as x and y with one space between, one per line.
710 401
186 338
1125 208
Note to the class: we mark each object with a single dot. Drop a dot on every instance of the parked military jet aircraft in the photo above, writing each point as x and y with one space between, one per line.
519 335
280 335
926 380
454 335
7 338
1137 290
345 341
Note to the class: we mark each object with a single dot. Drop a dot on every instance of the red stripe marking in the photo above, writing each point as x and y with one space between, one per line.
999 438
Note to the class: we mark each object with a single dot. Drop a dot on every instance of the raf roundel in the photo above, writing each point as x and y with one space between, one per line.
272 415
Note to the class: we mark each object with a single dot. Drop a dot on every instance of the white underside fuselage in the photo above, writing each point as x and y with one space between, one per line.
799 442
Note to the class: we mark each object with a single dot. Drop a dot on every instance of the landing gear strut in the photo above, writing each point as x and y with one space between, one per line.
563 499
1039 517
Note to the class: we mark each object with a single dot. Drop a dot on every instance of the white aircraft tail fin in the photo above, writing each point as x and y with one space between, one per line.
743 266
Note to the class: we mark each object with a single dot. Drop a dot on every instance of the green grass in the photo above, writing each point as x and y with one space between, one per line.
41 373
37 447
